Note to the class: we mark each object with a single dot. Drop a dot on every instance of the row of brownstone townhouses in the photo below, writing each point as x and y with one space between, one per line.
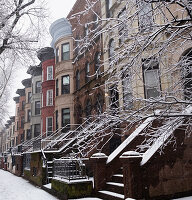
107 112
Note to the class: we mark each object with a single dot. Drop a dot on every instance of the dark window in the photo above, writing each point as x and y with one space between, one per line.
77 79
22 122
29 97
99 103
23 105
65 52
66 84
111 49
151 78
37 130
114 97
57 55
57 87
28 115
66 119
187 75
56 120
22 137
87 72
49 125
17 125
28 134
108 4
37 108
97 63
38 87
88 108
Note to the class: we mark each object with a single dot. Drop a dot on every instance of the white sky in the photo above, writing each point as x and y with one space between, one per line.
57 9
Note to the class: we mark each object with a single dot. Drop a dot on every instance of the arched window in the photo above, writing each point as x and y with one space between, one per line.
111 49
187 74
77 79
88 108
97 63
99 103
87 72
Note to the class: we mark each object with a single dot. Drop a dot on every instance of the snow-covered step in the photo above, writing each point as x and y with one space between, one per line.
118 175
115 184
110 195
118 178
115 187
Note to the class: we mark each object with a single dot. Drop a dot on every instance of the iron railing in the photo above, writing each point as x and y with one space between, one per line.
70 169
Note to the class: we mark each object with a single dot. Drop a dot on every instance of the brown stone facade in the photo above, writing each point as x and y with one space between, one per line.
18 165
87 80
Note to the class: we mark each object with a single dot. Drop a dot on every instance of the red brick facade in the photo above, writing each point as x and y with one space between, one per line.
46 55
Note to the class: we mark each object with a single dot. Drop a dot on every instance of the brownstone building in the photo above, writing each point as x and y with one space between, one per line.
87 55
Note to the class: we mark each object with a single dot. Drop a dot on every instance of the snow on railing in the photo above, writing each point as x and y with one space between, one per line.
135 133
167 131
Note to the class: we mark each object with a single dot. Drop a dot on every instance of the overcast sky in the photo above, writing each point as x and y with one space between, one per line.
57 9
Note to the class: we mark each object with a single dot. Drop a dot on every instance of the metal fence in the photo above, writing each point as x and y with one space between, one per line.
71 169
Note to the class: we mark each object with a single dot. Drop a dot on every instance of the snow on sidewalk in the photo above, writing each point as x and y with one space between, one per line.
17 188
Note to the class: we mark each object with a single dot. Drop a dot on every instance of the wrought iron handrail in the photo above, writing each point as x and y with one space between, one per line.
69 168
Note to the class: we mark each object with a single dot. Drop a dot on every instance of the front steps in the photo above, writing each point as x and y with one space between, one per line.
114 189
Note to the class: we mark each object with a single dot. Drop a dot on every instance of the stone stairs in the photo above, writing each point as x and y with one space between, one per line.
114 189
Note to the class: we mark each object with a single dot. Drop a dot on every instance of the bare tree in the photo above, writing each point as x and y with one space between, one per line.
147 60
21 23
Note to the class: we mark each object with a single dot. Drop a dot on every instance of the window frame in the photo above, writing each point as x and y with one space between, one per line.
66 52
51 77
152 69
49 98
62 119
47 127
65 88
37 109
35 127
37 88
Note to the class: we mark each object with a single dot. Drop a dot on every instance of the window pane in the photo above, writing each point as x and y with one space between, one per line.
65 47
66 118
50 73
49 97
38 87
65 52
151 78
66 84
37 130
49 125
37 108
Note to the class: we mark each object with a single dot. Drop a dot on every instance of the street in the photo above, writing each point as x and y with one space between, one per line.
17 188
